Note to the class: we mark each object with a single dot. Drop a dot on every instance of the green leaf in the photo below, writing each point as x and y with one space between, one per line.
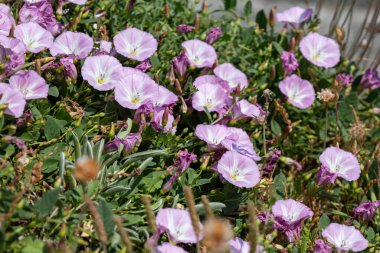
248 8
275 127
323 221
155 61
33 247
216 206
107 216
279 184
261 20
46 203
278 47
53 91
229 4
53 127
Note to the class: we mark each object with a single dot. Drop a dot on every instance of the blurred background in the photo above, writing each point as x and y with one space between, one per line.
358 19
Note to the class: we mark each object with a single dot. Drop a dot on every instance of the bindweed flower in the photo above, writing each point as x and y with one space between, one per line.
69 69
33 36
321 247
211 97
102 71
183 28
370 79
289 62
345 238
337 163
366 210
128 142
244 109
233 76
12 99
30 84
79 2
199 53
238 169
299 92
144 66
274 156
320 50
13 53
6 20
238 140
181 164
135 44
169 248
180 64
213 135
160 123
42 13
211 80
294 16
163 97
238 245
72 44
288 217
135 90
344 79
177 224
105 46
213 35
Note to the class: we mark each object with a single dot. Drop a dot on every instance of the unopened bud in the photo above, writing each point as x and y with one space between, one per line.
196 22
178 87
204 7
272 14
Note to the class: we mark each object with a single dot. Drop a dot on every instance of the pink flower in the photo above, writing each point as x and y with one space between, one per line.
239 170
321 247
135 44
33 36
199 53
294 16
289 62
177 224
42 13
135 90
232 75
244 109
288 216
157 121
337 163
128 142
213 135
366 210
105 46
12 99
211 97
72 44
183 28
238 245
211 80
169 248
79 2
163 97
238 140
14 50
213 35
6 20
320 50
30 84
299 92
345 238
102 72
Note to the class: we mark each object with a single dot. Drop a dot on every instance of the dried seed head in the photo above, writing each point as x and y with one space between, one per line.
272 15
207 207
86 169
253 233
282 111
123 233
340 34
216 234
37 172
196 22
326 95
357 131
